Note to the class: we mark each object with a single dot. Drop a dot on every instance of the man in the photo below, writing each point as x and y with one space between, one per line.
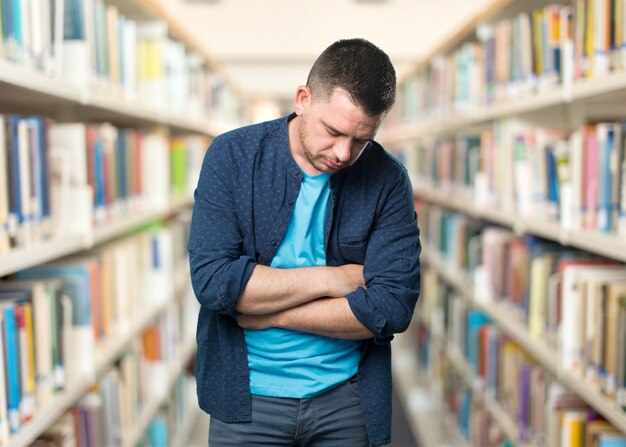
304 252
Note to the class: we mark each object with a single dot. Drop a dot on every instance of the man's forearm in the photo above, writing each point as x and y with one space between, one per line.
271 290
331 317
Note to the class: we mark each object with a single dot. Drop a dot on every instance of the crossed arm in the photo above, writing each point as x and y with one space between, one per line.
308 299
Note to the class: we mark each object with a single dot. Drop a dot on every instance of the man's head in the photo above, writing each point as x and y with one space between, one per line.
361 69
349 90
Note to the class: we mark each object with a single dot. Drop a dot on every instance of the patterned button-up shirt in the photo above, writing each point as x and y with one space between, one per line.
247 189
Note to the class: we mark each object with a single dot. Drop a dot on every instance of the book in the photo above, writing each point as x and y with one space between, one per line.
573 325
70 195
76 277
595 428
157 432
24 318
524 409
12 366
591 179
75 47
4 416
572 428
613 338
4 188
606 201
609 440
44 296
621 360
571 216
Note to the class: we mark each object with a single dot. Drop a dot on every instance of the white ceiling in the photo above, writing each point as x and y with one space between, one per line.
266 47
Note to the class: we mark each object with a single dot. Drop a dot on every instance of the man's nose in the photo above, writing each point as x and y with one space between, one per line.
342 150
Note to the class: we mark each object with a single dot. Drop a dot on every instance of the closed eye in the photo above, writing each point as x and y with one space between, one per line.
335 133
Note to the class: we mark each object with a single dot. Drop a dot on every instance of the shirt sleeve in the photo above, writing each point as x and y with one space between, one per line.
391 269
219 268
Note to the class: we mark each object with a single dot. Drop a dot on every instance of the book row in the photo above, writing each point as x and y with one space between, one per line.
498 394
67 178
511 58
572 301
110 413
578 178
94 45
58 318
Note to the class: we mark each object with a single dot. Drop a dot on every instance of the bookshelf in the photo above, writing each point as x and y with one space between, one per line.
106 355
547 358
496 95
149 121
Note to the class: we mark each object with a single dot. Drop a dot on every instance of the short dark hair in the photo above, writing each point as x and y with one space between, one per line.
359 67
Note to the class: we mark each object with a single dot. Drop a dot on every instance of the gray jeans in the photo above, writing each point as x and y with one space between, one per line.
331 419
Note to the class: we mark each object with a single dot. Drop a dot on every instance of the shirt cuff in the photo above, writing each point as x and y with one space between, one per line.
369 316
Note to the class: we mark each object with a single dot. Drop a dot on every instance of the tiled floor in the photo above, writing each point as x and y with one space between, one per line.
401 431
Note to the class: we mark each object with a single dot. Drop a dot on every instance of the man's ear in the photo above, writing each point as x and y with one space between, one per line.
303 99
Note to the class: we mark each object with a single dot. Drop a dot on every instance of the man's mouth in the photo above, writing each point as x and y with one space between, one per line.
332 165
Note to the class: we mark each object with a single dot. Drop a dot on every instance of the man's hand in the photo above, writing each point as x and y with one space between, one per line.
347 278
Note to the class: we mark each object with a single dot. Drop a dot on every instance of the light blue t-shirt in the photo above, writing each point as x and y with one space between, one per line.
285 363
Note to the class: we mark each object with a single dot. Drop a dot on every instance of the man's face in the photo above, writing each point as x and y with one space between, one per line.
332 133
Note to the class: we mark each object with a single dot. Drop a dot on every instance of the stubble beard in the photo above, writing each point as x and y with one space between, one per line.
308 153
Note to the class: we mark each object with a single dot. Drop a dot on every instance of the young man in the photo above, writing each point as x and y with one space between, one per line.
304 252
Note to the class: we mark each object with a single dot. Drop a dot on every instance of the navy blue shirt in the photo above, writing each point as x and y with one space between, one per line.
245 197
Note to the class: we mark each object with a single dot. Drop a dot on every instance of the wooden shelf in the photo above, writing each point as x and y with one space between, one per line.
23 90
608 89
611 246
40 252
128 223
25 85
55 248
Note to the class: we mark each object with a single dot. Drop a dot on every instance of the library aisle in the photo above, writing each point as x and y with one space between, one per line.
512 129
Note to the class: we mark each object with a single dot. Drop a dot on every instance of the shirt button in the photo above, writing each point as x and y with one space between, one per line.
240 351
290 202
273 242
